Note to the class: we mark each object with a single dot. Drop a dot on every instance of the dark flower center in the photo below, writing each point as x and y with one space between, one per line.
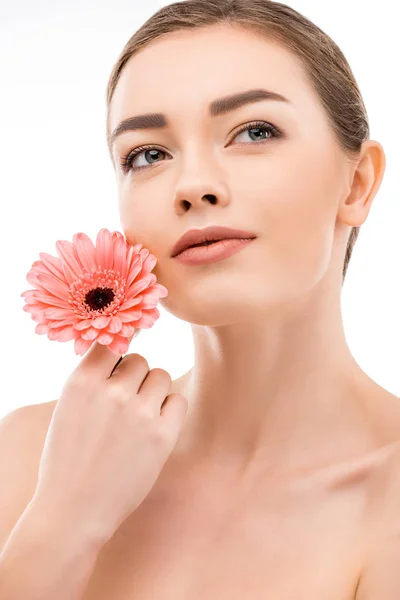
99 298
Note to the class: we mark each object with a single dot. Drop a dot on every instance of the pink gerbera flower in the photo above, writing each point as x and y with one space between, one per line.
101 293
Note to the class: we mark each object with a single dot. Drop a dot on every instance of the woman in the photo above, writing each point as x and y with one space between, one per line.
286 437
284 480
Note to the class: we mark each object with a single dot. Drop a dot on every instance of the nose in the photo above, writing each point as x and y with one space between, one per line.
210 198
194 197
201 180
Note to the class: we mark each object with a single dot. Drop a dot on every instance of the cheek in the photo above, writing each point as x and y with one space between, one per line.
137 217
294 203
143 224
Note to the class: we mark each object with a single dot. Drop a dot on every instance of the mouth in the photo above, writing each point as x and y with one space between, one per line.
208 236
207 243
211 251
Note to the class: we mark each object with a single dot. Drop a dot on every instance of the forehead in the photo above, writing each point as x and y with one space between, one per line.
192 67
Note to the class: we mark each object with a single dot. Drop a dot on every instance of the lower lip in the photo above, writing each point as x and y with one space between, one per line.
200 255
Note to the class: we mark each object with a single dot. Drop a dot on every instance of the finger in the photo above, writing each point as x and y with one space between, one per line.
156 387
115 366
131 368
98 358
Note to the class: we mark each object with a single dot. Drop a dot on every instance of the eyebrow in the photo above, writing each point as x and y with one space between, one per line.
217 107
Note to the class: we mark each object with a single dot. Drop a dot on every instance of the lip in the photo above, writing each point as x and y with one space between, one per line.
200 255
213 233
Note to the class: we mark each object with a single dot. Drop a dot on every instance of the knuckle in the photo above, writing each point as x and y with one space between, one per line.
160 437
77 379
139 359
162 373
119 395
145 412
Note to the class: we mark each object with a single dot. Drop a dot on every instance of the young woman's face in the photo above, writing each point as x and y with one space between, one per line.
284 186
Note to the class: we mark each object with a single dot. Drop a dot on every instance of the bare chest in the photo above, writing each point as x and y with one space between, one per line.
302 543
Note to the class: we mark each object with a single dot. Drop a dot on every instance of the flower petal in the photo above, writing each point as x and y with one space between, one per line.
64 334
105 338
162 290
115 324
130 257
82 346
119 345
83 324
104 247
69 258
127 329
53 285
37 315
149 301
85 250
148 318
90 334
101 322
53 312
69 275
119 254
134 270
130 315
131 302
41 328
31 278
149 263
112 262
27 295
50 300
157 290
144 253
141 284
69 321
52 264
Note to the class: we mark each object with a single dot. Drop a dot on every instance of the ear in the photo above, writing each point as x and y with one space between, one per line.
365 180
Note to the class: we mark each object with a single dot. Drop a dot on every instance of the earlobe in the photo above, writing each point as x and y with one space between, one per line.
367 178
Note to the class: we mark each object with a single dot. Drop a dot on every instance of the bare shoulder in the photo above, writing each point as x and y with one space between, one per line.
380 576
44 411
386 481
22 435
27 419
28 422
386 493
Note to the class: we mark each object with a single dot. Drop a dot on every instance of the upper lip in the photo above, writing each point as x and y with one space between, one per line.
214 233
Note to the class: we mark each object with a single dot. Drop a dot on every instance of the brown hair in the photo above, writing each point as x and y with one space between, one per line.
326 66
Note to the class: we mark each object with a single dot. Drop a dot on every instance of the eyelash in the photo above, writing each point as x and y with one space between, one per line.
126 161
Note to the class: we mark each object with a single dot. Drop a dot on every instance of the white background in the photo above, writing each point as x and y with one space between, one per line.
57 178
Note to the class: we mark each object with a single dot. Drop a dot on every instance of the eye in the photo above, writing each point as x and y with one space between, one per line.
151 152
258 126
148 152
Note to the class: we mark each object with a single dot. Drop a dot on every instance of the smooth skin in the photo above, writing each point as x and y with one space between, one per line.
275 394
284 479
274 384
108 439
118 428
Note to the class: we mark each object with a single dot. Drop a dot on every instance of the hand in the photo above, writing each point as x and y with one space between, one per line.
108 440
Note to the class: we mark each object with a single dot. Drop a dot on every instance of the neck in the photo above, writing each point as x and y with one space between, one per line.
282 391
